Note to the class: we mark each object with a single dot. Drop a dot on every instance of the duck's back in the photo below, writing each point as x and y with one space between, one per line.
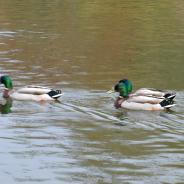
38 90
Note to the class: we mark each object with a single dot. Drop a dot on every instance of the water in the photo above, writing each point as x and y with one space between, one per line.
85 48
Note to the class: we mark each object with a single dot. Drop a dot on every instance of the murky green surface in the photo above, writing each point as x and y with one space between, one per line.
84 47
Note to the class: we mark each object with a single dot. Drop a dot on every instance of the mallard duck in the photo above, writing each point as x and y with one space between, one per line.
35 93
142 99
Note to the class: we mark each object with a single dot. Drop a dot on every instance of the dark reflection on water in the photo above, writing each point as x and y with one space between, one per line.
5 106
84 48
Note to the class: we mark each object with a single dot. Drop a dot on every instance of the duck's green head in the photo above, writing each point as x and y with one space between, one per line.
6 80
124 87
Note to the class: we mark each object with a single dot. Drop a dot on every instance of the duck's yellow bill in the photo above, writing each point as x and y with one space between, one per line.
110 91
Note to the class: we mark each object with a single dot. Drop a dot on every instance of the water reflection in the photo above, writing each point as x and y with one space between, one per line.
5 106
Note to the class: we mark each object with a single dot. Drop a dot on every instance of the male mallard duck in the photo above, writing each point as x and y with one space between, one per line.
142 99
35 93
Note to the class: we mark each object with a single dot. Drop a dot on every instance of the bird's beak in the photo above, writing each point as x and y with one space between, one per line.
111 91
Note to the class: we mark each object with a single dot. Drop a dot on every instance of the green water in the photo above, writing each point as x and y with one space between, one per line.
84 48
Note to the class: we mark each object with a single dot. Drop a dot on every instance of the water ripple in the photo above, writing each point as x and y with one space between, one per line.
5 33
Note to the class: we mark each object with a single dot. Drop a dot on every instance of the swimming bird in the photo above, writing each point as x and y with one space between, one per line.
35 93
142 99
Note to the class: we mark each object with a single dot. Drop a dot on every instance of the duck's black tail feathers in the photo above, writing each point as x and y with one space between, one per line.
167 103
55 93
170 96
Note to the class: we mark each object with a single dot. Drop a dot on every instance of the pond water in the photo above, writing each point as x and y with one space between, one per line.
84 48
